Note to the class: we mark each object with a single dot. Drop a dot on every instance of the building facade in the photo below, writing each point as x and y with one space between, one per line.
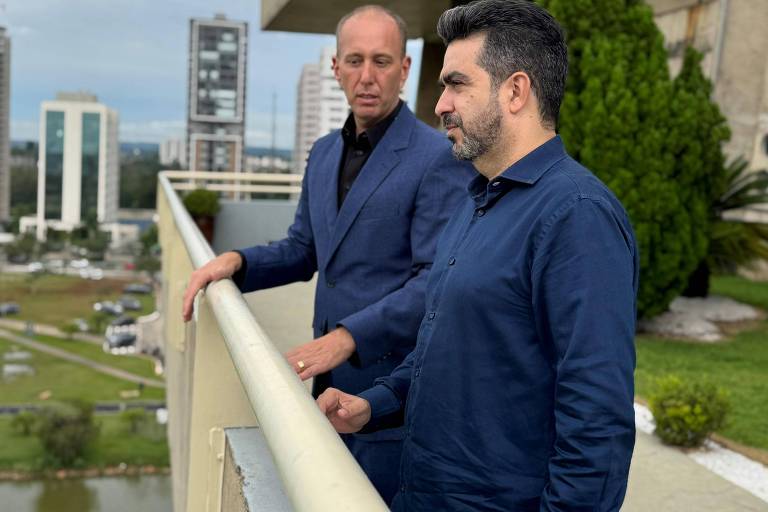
732 36
5 135
321 106
216 96
173 152
78 163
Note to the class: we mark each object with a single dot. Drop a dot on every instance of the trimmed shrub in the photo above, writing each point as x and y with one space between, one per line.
202 203
686 413
655 141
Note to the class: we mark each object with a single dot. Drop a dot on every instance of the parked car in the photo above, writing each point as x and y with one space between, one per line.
130 304
108 307
9 308
81 263
137 288
121 339
123 320
35 267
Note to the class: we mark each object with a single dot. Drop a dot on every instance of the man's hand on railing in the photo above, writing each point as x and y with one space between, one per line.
221 267
322 354
347 413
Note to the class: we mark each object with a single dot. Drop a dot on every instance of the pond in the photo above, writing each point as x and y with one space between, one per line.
148 493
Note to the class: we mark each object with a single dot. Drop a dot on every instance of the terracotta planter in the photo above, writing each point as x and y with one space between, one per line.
205 224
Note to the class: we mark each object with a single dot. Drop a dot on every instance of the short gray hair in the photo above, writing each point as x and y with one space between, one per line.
399 21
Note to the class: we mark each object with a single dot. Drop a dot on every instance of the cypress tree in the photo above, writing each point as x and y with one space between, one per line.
624 118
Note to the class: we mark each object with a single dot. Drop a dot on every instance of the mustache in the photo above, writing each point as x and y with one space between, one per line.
452 119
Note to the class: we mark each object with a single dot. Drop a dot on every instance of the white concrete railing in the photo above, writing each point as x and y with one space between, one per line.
236 182
223 371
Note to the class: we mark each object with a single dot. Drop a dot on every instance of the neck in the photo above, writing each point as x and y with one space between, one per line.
510 149
366 124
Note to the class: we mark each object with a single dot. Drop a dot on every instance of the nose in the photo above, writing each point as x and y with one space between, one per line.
444 104
366 75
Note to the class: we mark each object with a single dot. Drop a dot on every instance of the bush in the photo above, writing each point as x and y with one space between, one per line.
24 423
686 413
654 140
65 432
202 203
134 419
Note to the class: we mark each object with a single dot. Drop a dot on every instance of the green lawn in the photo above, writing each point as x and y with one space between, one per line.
66 381
138 365
115 444
739 365
56 299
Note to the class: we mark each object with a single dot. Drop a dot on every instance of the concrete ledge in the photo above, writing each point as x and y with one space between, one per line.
250 481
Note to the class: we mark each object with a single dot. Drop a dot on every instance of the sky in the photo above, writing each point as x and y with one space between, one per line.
133 55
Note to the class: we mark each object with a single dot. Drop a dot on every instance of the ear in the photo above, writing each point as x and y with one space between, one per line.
404 70
515 92
335 68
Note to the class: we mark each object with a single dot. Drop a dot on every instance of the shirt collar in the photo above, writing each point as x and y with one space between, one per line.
374 134
527 170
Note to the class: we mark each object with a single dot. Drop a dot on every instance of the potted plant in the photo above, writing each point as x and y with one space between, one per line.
203 205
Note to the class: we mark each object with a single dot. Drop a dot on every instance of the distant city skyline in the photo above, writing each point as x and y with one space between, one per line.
133 56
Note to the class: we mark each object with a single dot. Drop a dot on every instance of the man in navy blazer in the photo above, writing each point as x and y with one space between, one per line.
374 200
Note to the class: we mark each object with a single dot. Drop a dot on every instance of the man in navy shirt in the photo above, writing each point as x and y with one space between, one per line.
519 393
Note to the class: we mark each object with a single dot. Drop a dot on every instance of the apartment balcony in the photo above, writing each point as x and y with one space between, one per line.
244 431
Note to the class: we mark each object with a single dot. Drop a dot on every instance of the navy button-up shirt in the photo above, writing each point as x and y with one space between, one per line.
518 395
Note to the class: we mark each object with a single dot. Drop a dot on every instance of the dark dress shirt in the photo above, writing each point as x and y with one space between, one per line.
357 149
519 393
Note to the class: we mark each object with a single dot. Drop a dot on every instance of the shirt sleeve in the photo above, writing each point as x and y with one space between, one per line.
584 279
388 394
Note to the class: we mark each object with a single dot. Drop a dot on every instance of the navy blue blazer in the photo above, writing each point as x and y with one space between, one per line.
373 255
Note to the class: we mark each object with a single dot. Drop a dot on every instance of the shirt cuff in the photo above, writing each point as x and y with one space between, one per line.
382 400
239 276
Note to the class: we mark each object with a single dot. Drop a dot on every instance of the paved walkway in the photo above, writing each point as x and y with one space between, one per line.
63 354
664 479
49 330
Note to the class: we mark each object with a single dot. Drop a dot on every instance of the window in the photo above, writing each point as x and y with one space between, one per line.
54 163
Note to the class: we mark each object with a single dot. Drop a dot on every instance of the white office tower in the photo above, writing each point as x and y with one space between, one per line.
5 136
216 96
78 163
321 106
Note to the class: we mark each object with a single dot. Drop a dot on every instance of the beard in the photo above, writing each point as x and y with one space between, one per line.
479 134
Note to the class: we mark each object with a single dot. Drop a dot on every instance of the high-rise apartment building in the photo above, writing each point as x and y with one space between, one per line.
173 152
78 163
321 106
5 136
216 101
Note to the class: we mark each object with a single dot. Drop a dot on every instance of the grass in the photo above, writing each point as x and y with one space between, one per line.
115 445
137 365
739 365
56 299
65 381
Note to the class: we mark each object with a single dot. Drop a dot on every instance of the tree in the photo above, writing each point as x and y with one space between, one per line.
66 432
640 132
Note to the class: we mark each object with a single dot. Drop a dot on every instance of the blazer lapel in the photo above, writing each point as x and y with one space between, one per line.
331 199
381 162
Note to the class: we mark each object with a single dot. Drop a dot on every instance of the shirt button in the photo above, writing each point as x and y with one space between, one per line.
431 316
452 261
330 284
480 212
417 372
495 184
359 152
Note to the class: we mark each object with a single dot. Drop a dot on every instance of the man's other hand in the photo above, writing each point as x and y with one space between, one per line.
221 267
322 354
347 413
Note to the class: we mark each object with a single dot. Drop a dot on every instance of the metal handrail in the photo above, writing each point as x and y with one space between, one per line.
317 470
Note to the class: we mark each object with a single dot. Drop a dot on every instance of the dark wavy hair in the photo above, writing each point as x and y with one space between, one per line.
520 36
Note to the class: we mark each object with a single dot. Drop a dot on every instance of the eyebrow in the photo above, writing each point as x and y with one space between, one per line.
454 77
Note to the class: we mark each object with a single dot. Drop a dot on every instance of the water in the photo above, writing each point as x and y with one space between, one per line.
147 493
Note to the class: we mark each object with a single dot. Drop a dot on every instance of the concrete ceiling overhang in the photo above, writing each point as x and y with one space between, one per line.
320 17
